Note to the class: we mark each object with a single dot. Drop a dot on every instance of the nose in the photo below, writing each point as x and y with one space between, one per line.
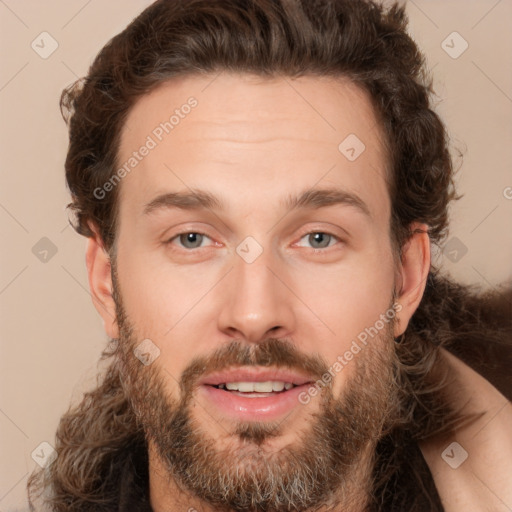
256 301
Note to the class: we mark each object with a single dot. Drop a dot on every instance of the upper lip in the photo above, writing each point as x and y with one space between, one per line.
255 375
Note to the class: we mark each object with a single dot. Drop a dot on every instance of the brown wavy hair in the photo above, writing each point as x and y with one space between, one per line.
361 40
358 40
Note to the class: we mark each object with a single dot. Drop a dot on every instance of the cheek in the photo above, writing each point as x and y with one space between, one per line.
156 293
350 300
350 296
166 304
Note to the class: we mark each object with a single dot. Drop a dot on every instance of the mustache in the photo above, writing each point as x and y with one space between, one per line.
270 352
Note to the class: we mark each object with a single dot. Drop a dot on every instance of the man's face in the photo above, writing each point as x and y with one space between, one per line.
254 292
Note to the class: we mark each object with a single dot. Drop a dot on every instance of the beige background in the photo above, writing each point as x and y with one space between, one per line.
51 336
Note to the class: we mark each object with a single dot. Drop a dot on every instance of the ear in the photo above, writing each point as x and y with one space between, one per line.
100 283
412 275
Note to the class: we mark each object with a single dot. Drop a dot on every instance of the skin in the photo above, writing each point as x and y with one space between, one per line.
252 142
482 481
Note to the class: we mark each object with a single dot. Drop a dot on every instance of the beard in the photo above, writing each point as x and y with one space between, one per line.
329 463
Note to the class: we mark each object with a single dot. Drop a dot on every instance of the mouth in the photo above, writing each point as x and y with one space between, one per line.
254 395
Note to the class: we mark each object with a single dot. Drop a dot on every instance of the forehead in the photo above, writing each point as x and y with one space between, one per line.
251 139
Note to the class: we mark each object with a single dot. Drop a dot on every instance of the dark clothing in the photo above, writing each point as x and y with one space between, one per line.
134 483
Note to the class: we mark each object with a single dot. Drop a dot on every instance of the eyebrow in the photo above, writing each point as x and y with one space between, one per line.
311 198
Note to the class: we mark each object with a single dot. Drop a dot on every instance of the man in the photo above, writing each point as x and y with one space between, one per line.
260 182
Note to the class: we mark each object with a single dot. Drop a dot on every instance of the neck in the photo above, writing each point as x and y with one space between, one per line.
167 494
482 480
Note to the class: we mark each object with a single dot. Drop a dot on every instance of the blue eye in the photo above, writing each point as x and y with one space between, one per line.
190 240
317 240
320 240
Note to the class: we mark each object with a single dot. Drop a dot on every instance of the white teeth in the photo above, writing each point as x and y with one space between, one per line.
278 386
264 387
258 387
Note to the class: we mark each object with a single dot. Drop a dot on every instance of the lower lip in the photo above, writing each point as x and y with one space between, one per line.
257 408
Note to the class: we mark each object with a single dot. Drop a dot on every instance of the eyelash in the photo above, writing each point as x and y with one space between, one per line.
314 250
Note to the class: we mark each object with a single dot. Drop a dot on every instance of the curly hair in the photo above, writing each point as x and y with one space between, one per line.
358 40
362 41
